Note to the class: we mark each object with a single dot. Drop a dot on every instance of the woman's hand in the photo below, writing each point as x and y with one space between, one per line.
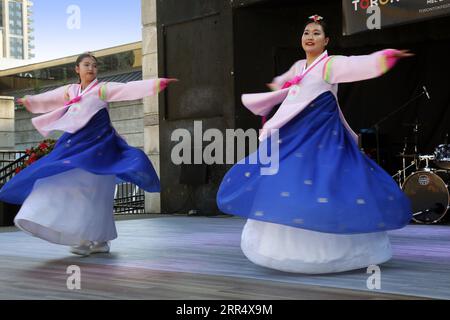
272 86
165 83
20 101
402 54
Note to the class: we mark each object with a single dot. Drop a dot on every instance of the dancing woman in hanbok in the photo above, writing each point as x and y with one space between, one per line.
329 207
67 196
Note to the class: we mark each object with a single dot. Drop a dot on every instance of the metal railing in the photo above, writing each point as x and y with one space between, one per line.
129 199
10 160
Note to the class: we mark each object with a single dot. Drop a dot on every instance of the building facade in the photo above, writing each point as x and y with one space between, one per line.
16 31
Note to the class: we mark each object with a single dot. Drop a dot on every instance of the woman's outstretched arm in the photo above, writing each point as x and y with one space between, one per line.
134 90
339 69
45 102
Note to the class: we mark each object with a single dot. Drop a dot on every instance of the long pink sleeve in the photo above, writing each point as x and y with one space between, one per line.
261 103
47 101
339 69
134 90
282 79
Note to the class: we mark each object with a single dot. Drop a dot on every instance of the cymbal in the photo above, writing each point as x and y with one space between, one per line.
427 157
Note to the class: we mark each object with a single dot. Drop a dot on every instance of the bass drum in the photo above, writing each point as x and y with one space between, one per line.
429 195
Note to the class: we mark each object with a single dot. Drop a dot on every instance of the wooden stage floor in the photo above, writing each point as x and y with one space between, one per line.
190 258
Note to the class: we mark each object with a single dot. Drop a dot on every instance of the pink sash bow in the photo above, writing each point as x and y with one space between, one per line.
78 98
296 80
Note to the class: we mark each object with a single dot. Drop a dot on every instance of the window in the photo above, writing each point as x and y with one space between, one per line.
15 18
16 48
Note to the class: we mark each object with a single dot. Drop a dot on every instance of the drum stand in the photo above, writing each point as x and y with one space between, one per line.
400 176
377 124
427 159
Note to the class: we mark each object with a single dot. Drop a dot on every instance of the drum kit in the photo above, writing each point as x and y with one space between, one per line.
425 179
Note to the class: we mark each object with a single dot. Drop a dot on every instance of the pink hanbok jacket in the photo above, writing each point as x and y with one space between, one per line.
68 109
321 76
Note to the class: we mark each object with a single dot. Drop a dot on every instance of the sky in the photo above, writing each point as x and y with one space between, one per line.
101 24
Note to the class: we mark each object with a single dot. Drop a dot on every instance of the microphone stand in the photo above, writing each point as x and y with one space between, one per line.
378 123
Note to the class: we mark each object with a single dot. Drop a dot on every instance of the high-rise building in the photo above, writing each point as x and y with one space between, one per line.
16 31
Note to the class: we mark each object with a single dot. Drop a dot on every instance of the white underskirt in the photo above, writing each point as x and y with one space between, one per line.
298 250
70 207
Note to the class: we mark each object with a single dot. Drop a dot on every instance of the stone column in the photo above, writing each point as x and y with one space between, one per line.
151 110
7 141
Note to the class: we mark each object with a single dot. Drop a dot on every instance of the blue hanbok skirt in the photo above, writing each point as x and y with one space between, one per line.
324 182
97 148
